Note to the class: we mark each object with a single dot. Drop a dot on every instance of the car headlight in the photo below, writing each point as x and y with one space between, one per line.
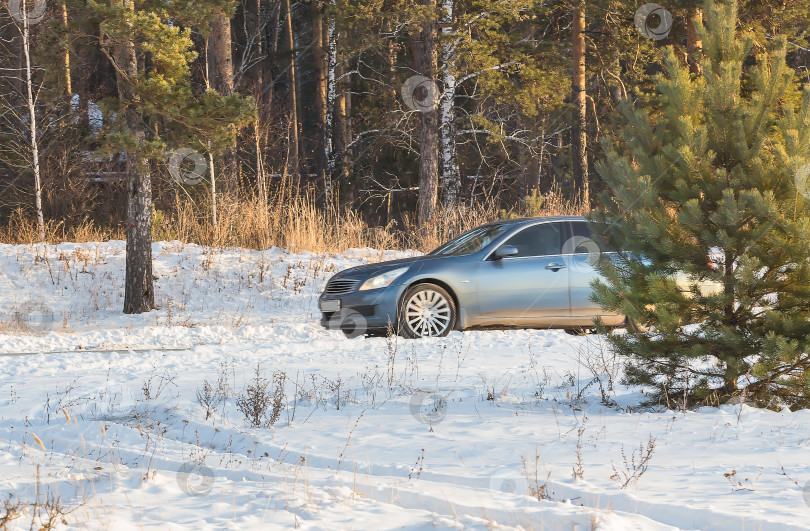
383 280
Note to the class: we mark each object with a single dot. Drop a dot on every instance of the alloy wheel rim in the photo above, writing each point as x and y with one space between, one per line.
428 313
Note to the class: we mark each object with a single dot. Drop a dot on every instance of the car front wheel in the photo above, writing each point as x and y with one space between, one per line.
426 310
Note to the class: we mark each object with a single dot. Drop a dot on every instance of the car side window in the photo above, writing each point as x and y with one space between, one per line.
581 237
581 240
544 239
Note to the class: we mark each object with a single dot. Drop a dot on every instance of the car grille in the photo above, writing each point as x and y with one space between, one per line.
340 286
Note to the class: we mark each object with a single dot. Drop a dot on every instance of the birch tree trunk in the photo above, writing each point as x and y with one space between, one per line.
32 123
450 174
328 123
210 153
139 293
213 187
578 99
425 56
320 55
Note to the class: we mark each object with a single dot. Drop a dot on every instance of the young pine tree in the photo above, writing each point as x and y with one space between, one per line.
712 189
158 109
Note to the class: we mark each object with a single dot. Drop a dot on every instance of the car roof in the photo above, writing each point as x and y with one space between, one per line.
526 221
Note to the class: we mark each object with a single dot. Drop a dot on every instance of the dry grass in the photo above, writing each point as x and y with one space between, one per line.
295 223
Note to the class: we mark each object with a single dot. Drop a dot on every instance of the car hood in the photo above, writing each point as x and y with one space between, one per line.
367 270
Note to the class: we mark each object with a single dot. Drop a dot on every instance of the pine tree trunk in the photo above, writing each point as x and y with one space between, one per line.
292 89
343 129
222 58
426 55
139 293
693 43
32 124
579 130
450 174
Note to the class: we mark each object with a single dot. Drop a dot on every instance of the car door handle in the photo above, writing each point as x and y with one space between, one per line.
553 266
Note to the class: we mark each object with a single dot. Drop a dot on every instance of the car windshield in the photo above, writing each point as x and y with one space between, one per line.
472 241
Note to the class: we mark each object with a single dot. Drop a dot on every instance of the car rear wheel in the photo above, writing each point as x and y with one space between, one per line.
579 331
426 310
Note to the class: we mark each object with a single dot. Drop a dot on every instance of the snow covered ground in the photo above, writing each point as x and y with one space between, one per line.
477 430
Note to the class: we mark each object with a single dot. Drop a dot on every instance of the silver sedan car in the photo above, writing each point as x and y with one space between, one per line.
523 273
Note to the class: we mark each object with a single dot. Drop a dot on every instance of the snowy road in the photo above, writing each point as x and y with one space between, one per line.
476 430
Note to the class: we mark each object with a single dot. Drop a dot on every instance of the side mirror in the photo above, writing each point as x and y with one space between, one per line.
505 251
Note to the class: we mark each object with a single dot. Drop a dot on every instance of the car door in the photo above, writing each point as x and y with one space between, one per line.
529 288
581 251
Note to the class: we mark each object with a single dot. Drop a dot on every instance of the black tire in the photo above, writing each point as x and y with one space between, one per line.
426 310
577 331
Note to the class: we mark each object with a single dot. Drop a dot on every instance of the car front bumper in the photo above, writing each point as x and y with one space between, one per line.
366 310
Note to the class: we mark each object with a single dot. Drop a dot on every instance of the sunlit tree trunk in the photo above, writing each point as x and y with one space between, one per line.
66 54
693 43
578 99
